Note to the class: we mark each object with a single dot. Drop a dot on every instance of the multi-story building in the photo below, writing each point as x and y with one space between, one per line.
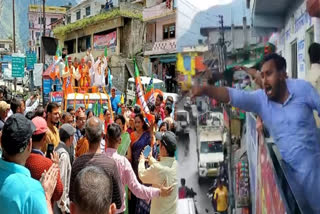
160 49
88 8
35 16
6 46
119 29
293 30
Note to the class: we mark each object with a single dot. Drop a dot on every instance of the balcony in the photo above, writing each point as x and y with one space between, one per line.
268 16
158 11
162 47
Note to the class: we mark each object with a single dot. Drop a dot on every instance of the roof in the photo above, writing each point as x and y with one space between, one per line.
102 17
49 9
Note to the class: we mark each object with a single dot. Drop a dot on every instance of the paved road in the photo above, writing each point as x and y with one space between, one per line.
188 169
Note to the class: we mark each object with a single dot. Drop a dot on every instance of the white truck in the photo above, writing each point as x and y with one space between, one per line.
211 140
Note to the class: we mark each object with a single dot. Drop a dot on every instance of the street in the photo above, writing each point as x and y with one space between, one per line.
188 169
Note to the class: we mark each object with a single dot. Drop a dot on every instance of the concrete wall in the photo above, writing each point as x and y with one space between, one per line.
296 29
159 27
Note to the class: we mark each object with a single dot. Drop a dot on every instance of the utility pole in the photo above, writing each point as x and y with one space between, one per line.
222 48
14 27
14 39
44 30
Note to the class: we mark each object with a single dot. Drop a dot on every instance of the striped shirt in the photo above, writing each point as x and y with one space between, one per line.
110 167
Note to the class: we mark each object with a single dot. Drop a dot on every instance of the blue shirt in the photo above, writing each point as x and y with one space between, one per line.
293 128
114 103
19 193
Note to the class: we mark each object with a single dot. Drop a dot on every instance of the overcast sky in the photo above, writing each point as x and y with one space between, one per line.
187 9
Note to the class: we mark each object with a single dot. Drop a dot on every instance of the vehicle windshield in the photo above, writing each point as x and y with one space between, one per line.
182 116
211 147
160 86
131 86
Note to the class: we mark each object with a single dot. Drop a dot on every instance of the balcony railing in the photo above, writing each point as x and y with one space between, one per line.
157 11
161 47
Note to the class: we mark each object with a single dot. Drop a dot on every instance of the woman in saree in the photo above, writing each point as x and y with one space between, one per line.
140 138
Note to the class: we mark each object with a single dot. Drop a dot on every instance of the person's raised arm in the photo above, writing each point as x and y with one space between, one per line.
220 94
247 101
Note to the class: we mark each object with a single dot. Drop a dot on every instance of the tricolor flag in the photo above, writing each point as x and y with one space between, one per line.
55 69
140 95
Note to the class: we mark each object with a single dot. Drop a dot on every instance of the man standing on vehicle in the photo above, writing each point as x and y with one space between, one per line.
286 107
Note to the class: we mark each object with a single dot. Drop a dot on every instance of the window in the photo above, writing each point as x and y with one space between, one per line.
78 15
68 19
37 35
52 20
294 64
88 11
169 31
40 20
211 147
1 45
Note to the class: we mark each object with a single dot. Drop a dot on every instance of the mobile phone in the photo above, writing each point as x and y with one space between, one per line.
147 151
50 149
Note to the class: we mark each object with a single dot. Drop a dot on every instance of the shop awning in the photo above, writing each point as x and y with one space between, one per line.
163 56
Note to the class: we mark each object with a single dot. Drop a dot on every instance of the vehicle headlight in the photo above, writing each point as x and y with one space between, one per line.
203 165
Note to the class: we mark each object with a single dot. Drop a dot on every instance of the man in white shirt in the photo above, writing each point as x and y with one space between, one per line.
163 170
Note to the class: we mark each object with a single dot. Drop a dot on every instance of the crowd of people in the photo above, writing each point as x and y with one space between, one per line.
75 162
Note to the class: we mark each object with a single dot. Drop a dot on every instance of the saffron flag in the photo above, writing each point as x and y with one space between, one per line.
67 82
139 91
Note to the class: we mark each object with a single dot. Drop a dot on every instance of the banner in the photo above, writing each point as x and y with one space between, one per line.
37 74
268 198
56 96
101 41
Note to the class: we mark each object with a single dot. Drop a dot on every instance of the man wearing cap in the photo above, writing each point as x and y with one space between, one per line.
37 163
163 170
66 133
115 101
4 109
19 192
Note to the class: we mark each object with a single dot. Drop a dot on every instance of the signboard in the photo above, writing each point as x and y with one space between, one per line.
56 96
101 41
268 198
37 74
252 150
18 66
31 60
6 58
46 86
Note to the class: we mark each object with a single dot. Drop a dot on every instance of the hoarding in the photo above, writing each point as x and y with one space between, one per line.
108 40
